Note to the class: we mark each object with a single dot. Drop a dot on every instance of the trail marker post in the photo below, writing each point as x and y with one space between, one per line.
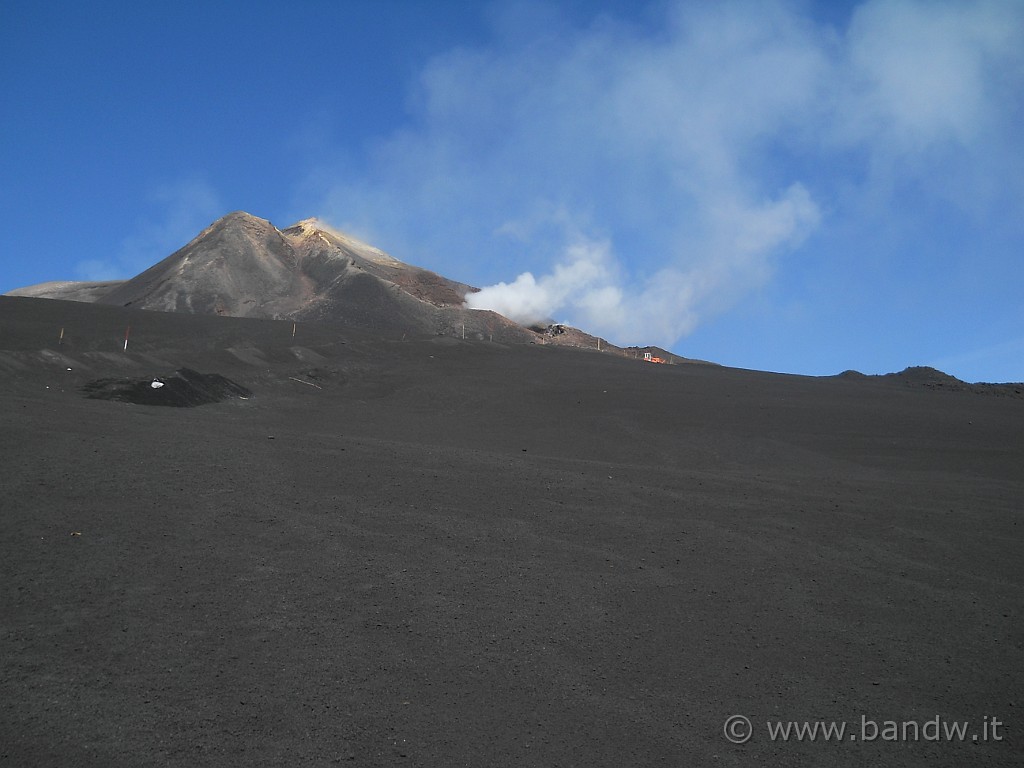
127 331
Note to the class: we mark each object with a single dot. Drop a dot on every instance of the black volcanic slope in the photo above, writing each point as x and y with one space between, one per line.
433 552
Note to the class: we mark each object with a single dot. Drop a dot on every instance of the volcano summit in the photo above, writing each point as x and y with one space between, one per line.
244 266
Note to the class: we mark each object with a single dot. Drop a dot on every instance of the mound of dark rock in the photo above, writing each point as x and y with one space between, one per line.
922 375
184 388
931 378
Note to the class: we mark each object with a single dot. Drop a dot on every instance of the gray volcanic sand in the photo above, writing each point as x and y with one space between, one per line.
435 552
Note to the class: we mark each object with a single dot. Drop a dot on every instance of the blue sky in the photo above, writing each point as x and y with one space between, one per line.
790 186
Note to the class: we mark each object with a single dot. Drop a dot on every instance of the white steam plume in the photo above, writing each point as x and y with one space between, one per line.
584 278
586 283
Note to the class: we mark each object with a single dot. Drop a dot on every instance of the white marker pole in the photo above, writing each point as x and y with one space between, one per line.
293 330
127 331
61 339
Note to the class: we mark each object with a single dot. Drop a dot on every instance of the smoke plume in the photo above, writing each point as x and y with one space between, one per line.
636 178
